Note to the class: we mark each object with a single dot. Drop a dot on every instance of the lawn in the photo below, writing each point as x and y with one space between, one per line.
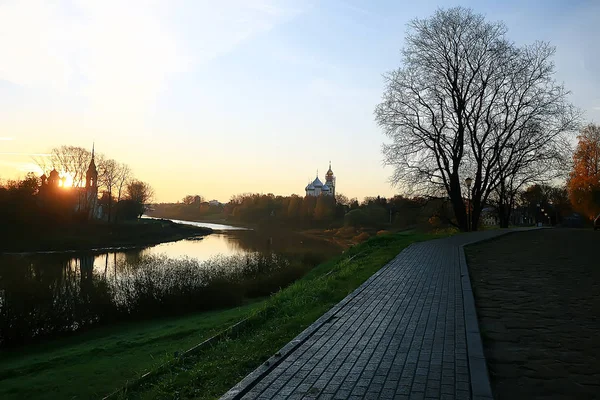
95 363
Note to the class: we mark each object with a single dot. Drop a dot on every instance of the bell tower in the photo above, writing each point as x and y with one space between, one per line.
91 176
330 179
91 188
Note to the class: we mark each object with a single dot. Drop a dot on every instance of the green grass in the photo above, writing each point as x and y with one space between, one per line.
97 362
210 373
94 363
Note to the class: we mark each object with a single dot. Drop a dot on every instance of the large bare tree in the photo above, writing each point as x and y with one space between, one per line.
468 102
124 175
108 179
72 160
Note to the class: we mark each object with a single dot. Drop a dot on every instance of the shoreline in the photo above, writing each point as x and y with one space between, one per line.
101 237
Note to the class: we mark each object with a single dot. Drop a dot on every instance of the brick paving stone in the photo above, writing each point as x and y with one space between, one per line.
402 334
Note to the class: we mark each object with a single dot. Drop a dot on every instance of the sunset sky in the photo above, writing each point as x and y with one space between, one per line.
225 97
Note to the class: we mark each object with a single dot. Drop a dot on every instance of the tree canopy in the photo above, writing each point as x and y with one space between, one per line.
584 179
468 102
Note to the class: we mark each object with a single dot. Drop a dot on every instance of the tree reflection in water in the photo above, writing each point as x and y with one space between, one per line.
55 293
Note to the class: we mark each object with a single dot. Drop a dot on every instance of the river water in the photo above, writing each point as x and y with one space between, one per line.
45 293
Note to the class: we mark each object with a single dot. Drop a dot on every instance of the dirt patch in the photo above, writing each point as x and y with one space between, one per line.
538 301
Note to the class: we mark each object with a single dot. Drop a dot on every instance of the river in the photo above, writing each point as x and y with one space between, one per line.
49 293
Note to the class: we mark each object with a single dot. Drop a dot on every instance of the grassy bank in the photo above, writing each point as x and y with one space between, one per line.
94 363
91 235
100 361
210 373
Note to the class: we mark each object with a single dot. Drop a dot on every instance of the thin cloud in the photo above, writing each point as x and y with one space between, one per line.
25 154
5 138
22 166
116 58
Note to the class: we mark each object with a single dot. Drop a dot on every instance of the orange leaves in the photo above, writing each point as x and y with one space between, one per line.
584 179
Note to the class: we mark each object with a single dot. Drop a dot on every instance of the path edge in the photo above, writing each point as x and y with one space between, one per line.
481 388
246 384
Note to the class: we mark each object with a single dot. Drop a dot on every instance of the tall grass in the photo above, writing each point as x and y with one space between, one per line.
32 307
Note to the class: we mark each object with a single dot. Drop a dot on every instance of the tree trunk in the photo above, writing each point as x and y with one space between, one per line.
109 204
475 214
458 204
503 215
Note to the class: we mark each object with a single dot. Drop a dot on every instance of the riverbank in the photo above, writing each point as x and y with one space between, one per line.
207 220
94 235
99 361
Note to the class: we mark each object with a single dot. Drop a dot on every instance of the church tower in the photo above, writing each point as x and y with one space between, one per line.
91 187
91 176
330 180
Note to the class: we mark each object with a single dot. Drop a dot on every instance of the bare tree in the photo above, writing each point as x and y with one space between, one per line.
141 193
469 103
192 199
342 199
124 175
108 175
72 160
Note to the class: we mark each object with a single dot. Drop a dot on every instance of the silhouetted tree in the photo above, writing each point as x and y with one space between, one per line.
469 102
108 177
140 193
192 199
341 198
124 175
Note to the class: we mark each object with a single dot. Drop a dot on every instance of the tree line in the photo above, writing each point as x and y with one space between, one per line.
22 202
374 213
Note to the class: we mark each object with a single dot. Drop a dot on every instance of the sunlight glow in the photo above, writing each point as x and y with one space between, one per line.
66 180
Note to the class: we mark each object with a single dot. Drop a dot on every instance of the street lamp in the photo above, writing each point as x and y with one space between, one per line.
468 182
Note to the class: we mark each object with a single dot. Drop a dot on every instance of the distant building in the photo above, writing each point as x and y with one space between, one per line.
84 199
489 217
317 188
214 203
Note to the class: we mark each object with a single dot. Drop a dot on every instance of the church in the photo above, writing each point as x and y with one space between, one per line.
85 199
317 188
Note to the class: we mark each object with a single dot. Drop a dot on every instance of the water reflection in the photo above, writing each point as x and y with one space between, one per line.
50 293
216 227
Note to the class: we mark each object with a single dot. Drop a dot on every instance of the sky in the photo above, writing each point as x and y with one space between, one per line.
228 97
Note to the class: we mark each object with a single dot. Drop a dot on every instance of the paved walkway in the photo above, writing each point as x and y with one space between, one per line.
409 332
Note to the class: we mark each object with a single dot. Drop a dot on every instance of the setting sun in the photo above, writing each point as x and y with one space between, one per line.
66 181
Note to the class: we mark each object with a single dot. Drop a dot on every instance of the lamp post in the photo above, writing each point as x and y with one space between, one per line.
542 218
468 182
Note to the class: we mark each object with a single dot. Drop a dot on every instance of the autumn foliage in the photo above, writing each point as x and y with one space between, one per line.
584 180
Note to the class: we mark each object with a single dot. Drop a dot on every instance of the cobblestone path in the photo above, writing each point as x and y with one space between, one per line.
409 332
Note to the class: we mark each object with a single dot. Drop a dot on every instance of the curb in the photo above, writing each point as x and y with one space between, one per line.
480 381
481 388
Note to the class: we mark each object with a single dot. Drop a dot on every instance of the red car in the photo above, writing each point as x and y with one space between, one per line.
597 223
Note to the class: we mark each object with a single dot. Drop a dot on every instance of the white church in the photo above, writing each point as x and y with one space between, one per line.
317 188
